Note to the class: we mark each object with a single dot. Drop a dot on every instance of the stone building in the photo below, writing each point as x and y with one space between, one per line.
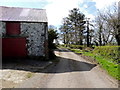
24 32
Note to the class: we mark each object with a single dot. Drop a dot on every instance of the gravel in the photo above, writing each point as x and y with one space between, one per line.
16 72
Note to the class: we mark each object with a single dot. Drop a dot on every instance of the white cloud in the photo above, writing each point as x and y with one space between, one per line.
91 16
85 6
58 9
105 3
20 1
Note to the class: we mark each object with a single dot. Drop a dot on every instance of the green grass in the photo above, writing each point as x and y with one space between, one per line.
105 63
110 52
111 67
77 51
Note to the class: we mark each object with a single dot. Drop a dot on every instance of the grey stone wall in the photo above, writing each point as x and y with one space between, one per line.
2 29
35 33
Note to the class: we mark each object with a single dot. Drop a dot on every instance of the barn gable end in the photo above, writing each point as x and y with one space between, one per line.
33 27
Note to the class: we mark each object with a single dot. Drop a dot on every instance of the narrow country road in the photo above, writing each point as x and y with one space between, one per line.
72 71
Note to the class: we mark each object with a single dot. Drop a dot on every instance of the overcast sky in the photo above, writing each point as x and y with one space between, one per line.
58 9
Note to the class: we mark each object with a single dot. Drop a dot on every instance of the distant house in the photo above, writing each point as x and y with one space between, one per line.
24 32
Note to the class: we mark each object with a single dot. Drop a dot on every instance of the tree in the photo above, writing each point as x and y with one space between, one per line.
73 26
65 30
107 26
77 21
100 30
52 34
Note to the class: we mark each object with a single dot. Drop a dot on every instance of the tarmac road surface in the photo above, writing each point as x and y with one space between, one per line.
71 71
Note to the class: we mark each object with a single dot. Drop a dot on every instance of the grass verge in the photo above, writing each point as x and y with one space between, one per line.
77 51
107 64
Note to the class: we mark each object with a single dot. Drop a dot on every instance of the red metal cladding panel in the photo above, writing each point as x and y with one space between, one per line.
12 28
14 47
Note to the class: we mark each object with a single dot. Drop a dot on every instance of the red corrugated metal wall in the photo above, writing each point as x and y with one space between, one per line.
14 47
12 28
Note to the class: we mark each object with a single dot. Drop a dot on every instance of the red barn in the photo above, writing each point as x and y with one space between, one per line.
24 32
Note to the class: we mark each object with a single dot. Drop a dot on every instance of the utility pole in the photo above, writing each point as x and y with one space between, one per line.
88 34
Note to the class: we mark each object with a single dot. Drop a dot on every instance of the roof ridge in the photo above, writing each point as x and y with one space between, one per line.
21 7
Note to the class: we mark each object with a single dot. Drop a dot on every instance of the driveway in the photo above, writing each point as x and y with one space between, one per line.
72 71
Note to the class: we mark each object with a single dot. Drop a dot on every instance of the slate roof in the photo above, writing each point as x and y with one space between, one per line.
22 14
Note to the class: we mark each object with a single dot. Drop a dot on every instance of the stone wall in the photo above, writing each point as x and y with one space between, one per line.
2 29
35 33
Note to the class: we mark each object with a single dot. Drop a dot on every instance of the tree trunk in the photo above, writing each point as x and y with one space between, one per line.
118 39
88 36
100 39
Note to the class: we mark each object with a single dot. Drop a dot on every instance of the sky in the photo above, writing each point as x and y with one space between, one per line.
58 9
